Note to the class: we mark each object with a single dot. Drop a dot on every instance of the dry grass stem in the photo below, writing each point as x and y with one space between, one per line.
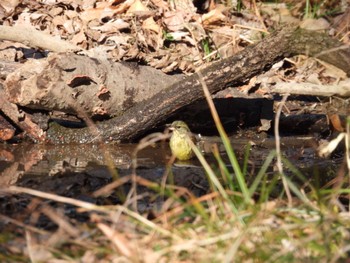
278 149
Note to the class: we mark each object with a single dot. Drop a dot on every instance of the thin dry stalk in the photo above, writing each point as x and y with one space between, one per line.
347 144
107 189
61 199
278 149
21 224
118 239
257 13
179 209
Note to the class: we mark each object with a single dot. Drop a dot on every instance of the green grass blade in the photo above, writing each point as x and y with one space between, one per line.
261 173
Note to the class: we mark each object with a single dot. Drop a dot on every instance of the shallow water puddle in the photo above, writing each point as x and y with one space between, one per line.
38 163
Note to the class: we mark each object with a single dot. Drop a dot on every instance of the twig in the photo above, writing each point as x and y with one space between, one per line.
36 39
341 89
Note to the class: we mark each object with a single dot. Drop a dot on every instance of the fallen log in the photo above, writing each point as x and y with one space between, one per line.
228 72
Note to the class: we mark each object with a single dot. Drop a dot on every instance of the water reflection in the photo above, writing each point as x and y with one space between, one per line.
102 160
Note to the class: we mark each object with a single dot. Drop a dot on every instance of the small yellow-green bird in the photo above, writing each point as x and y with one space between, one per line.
179 141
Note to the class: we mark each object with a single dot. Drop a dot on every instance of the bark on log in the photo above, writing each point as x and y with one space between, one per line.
6 68
7 131
228 72
82 85
21 119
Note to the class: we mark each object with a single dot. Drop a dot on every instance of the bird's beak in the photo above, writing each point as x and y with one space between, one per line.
169 127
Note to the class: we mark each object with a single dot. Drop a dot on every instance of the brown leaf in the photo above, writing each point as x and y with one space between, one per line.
78 38
150 24
213 17
161 4
104 10
336 123
186 6
9 5
174 20
112 26
137 6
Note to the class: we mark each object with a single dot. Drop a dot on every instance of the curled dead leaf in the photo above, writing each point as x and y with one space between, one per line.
336 122
213 17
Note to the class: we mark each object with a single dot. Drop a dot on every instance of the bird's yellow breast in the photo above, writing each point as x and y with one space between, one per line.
180 146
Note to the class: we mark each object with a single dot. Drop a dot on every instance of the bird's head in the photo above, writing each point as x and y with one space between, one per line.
179 126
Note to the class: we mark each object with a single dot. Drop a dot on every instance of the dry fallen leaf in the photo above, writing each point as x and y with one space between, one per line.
112 26
137 6
315 24
104 10
9 5
336 122
174 20
79 38
150 24
213 17
161 4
